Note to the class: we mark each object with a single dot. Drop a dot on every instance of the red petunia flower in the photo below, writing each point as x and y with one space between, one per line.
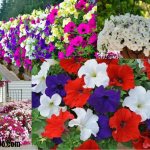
125 124
89 144
147 67
143 142
55 125
121 76
71 65
76 95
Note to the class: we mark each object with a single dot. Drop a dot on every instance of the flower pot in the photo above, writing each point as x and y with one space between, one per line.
129 54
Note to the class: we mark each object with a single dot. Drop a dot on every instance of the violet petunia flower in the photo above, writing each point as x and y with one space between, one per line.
104 129
104 101
55 84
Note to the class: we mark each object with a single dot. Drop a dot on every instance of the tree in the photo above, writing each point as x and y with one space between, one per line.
12 8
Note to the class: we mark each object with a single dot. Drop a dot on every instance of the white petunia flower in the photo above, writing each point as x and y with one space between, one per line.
49 106
87 123
139 102
39 79
94 74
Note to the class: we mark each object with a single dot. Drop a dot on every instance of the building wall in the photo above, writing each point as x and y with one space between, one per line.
17 90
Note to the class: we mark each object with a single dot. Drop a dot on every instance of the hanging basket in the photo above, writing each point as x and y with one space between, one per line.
129 54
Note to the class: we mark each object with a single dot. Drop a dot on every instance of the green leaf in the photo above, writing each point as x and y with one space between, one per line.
127 144
109 144
70 139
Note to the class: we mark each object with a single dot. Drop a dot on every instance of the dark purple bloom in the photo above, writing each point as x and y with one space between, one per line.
104 100
148 124
57 140
55 84
36 99
104 129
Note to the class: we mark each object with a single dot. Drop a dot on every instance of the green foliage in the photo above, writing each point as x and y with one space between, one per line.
109 144
0 77
106 8
70 140
55 69
12 8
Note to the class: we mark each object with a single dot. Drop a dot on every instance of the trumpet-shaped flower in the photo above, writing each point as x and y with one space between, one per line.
39 79
139 101
49 106
94 74
86 121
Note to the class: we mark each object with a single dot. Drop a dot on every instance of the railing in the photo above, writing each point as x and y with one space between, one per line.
14 95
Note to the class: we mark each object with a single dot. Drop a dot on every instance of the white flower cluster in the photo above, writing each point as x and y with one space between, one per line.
123 31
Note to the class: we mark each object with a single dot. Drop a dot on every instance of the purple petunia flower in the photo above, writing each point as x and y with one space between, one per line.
104 100
36 99
104 129
148 124
55 84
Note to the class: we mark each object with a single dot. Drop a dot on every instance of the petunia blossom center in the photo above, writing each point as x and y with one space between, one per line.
122 124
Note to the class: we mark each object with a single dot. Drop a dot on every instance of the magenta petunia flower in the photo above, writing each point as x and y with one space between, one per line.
83 28
61 55
93 39
51 47
52 15
92 22
81 5
70 49
77 41
70 27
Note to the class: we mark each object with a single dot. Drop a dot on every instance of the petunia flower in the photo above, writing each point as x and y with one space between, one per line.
55 84
94 74
49 106
104 100
83 28
125 125
87 145
77 41
70 27
104 129
55 125
139 102
143 142
121 76
71 65
39 79
76 95
36 99
86 121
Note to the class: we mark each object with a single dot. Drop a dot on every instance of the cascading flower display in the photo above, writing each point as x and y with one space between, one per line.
60 31
97 101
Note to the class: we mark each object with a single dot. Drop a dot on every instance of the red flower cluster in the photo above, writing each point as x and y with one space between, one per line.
55 125
125 124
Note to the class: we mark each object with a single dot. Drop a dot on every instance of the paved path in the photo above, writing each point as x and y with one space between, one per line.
9 75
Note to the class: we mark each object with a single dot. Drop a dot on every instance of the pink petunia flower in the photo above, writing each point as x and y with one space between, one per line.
83 28
70 27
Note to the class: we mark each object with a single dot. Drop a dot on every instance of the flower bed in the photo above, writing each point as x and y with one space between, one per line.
67 29
80 103
15 122
128 34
